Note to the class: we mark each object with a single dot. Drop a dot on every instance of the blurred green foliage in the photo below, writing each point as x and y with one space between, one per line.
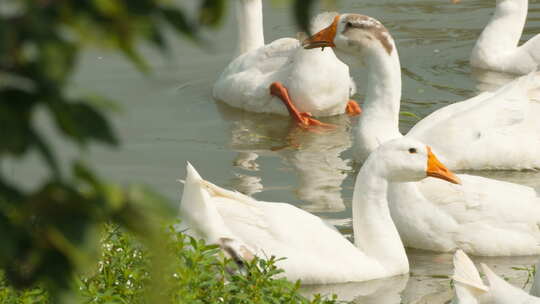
50 231
194 273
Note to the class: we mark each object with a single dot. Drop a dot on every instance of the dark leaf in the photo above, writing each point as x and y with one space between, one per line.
157 38
129 51
302 13
45 152
211 12
180 22
82 122
81 172
15 130
9 194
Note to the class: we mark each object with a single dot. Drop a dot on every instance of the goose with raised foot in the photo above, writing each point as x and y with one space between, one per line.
493 130
497 47
283 78
315 251
470 289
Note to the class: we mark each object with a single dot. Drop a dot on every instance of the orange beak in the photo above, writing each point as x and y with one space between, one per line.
436 169
323 38
455 1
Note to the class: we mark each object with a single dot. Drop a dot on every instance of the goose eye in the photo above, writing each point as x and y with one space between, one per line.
349 24
412 150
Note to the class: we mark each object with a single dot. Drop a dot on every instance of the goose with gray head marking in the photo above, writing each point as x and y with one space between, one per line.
315 252
497 47
493 130
283 78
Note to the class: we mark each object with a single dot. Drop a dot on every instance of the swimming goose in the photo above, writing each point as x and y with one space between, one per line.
470 289
493 130
497 47
315 251
262 75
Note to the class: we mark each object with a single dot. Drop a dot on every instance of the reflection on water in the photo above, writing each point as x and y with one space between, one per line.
246 184
429 281
246 160
314 156
318 164
382 291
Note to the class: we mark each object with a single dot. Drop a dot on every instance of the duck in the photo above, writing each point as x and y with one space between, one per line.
498 129
470 289
314 251
497 47
282 77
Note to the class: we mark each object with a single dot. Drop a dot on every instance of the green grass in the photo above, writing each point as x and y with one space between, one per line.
178 269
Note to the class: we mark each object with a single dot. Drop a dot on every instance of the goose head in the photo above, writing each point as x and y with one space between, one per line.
353 34
408 160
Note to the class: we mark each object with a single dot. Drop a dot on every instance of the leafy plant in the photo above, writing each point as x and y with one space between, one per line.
193 272
531 271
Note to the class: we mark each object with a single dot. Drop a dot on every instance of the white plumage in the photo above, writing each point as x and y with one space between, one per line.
497 47
483 216
495 130
314 250
245 82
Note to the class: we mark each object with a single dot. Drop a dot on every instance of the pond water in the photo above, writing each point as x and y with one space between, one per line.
169 117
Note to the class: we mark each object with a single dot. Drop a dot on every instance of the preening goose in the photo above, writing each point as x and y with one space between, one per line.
493 130
263 75
315 251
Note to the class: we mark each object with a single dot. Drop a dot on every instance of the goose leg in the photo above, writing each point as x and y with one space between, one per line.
353 108
303 119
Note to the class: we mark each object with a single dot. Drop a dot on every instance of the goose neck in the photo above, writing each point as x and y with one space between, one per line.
383 91
379 121
503 31
250 25
375 233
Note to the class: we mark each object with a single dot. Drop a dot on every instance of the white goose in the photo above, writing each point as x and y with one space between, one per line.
470 289
262 75
497 47
314 250
492 130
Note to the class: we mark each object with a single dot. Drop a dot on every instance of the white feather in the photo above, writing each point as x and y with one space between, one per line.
245 82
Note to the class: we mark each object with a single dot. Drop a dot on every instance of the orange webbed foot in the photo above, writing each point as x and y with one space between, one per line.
353 108
303 119
308 122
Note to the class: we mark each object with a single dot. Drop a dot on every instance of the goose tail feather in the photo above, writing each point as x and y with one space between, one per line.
468 284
